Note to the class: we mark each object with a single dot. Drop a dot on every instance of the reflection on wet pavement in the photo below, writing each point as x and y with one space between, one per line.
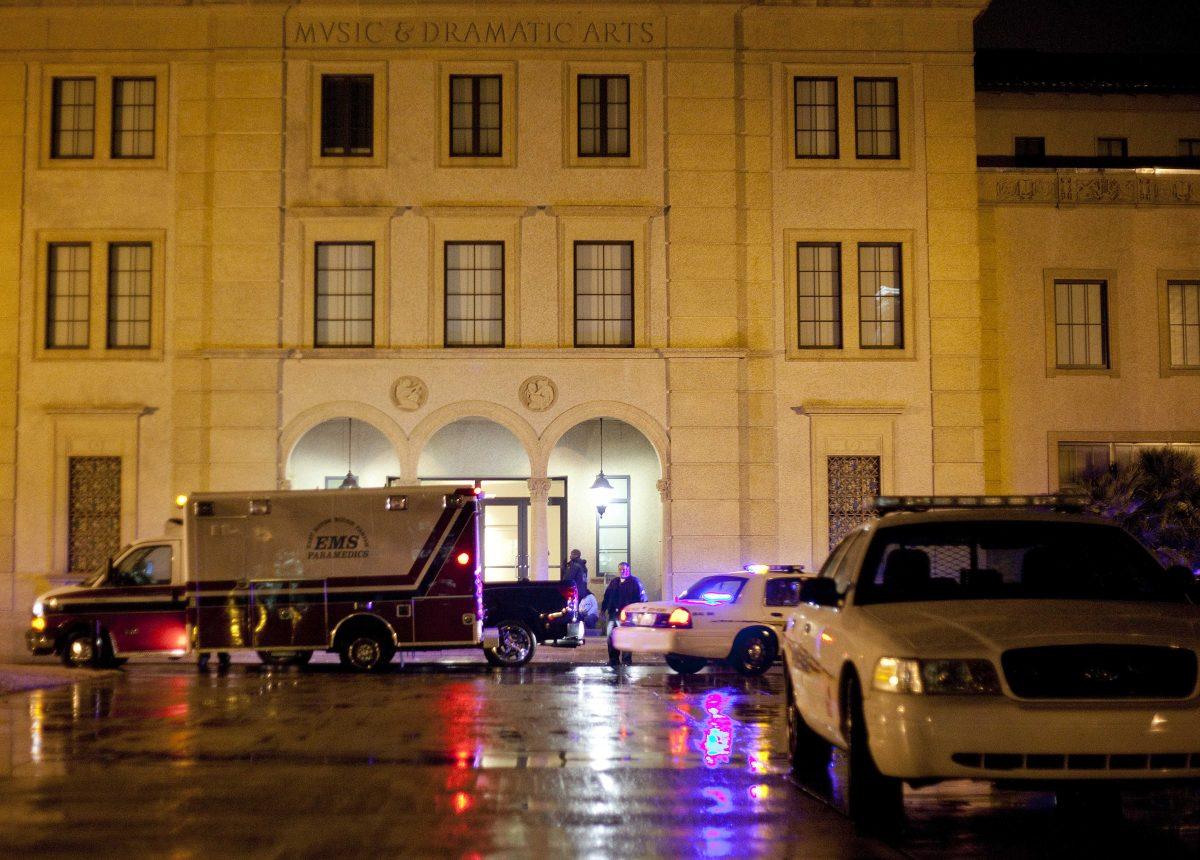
463 761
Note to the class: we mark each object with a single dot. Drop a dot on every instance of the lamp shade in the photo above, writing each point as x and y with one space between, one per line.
601 493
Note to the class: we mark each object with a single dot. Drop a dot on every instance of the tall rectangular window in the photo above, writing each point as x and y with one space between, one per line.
853 481
819 294
880 296
73 118
604 294
474 294
1081 324
129 272
68 295
93 511
133 118
475 115
876 118
1029 147
816 117
345 294
1183 322
612 529
347 115
1112 147
1189 147
603 116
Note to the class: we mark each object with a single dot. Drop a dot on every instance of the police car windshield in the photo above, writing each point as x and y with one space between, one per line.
715 590
1013 560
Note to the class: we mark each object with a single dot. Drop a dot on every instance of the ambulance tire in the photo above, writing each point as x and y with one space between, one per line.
516 646
754 651
686 665
364 649
80 650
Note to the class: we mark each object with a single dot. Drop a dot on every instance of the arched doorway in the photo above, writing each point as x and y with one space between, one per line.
323 457
482 452
631 528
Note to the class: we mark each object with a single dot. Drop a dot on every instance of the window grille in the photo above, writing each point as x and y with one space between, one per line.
474 294
68 295
816 117
133 118
604 294
475 115
345 294
876 118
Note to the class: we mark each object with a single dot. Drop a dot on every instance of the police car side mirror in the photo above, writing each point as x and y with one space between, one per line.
819 592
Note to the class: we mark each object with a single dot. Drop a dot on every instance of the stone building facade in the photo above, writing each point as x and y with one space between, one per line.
753 238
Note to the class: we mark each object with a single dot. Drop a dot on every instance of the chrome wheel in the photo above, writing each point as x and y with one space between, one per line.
515 646
364 652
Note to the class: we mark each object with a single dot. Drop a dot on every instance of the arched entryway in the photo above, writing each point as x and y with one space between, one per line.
323 456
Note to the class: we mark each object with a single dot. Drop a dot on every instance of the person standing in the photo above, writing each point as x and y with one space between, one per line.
621 592
575 570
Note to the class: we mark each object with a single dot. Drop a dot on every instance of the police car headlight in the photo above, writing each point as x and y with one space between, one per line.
936 677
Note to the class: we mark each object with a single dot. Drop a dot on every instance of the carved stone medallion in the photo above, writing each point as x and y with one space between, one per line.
538 393
409 393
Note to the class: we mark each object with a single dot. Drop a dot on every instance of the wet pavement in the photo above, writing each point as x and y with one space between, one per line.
558 759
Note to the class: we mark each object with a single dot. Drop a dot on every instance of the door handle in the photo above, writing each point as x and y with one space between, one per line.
776 614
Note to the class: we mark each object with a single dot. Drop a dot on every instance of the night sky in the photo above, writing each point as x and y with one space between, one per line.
1090 26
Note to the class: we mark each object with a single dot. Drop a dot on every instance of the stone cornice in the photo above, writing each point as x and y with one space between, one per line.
1090 187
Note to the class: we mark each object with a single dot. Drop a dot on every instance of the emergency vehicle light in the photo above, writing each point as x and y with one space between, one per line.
463 558
259 507
396 503
1054 501
773 568
180 500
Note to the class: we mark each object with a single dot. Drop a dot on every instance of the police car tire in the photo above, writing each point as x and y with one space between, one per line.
739 657
808 752
686 665
875 802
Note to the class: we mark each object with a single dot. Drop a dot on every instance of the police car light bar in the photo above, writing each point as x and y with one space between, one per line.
773 568
1055 501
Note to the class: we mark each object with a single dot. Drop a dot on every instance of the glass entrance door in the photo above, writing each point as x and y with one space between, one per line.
505 540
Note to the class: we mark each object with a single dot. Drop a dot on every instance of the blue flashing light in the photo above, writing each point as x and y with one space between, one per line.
712 598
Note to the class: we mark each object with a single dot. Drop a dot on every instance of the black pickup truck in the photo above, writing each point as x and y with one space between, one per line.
526 613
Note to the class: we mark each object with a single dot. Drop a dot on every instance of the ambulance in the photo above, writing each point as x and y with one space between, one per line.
285 574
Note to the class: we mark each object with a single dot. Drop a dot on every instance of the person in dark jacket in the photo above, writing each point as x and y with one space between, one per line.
621 592
575 570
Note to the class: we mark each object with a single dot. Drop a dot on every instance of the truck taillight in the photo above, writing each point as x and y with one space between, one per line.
679 617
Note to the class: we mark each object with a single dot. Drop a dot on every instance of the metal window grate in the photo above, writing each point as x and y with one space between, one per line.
129 275
604 294
133 118
345 294
853 485
603 116
876 118
1183 322
1081 324
475 115
68 295
819 294
816 116
93 511
880 296
347 115
73 121
474 294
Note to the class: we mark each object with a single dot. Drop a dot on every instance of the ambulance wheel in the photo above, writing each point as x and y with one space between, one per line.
515 646
753 652
80 650
365 651
284 658
686 665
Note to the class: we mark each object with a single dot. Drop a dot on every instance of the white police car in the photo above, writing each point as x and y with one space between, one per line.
731 617
1007 639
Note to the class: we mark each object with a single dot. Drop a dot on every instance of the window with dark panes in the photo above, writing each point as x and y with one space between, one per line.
73 118
612 529
819 295
1112 147
475 115
1189 147
1183 322
782 592
604 294
68 295
347 115
603 115
1029 147
133 118
816 117
1081 324
345 294
880 296
129 279
474 294
876 118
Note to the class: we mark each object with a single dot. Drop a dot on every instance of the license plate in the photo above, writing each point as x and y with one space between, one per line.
647 619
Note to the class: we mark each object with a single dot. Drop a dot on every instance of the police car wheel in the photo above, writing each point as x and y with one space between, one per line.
79 650
753 651
874 801
686 665
808 752
515 646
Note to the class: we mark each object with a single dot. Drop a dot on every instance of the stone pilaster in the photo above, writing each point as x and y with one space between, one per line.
12 162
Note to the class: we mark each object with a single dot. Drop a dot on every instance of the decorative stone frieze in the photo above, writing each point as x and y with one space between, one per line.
1069 188
538 393
409 393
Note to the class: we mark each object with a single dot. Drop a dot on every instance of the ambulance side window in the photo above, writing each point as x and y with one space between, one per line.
146 566
783 592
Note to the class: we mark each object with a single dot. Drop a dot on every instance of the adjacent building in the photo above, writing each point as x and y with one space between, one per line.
752 262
